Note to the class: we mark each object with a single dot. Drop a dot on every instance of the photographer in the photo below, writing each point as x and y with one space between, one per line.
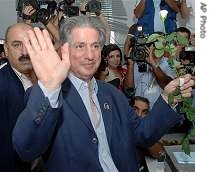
86 9
31 15
156 74
147 13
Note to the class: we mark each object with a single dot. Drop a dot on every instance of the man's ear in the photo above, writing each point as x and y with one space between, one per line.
6 49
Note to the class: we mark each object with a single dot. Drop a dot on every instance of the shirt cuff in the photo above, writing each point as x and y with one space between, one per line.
53 96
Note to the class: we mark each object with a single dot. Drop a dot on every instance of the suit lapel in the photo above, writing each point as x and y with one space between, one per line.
107 110
73 99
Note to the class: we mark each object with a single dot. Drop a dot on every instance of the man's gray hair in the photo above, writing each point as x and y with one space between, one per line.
81 21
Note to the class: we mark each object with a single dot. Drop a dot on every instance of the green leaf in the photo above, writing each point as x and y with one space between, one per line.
159 45
153 37
161 39
176 91
167 49
159 52
182 40
171 99
171 37
172 46
190 114
191 134
185 146
171 63
187 101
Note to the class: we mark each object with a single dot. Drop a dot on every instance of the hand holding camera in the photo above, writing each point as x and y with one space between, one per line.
151 58
27 11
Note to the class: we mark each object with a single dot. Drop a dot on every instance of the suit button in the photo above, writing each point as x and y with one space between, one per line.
94 140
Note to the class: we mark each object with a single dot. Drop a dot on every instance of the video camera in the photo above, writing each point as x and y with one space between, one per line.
93 6
68 9
44 9
139 53
188 53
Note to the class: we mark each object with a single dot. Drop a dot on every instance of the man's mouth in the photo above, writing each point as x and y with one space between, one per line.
24 58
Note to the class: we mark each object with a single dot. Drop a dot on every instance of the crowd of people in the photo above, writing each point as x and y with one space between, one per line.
68 103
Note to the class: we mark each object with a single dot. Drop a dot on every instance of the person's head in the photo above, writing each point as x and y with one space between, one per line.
112 54
141 105
183 31
14 48
86 36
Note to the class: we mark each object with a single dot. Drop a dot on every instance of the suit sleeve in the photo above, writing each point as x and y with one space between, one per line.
35 126
150 129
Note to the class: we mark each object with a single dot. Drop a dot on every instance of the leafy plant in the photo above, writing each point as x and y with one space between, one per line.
166 44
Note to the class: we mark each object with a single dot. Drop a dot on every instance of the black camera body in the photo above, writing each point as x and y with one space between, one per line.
93 6
188 53
139 53
68 9
41 14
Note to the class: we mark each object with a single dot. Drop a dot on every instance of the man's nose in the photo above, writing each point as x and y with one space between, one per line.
90 53
24 50
140 112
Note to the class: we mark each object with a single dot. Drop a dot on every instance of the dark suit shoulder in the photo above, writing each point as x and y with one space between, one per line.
8 77
108 90
4 68
108 87
11 87
4 72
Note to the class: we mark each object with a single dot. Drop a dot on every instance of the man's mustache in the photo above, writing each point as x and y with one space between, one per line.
24 57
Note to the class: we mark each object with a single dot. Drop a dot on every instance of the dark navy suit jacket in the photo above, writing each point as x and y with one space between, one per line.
67 137
11 104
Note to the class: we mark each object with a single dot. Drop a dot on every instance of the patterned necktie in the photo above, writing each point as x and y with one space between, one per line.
92 105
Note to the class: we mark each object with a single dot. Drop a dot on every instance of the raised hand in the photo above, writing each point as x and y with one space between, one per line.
185 82
151 59
51 70
28 10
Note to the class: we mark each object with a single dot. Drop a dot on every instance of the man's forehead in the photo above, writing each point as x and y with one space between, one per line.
17 33
83 31
185 34
141 103
84 37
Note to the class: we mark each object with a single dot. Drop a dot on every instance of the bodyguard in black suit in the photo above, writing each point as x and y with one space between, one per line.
15 76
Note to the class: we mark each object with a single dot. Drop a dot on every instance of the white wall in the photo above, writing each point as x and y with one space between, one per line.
8 15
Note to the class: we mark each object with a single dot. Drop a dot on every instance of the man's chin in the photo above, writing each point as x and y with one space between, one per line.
27 67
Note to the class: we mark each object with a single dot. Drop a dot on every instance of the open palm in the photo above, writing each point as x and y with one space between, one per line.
50 68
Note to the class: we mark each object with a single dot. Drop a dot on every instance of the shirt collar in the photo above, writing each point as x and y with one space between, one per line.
81 85
24 80
20 75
